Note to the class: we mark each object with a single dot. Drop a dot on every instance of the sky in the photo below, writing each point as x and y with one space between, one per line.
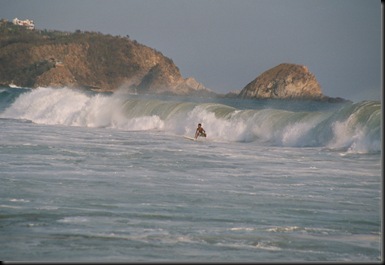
225 44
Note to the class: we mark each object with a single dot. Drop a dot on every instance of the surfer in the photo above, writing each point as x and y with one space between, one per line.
200 131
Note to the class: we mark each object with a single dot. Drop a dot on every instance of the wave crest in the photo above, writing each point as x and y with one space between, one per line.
353 127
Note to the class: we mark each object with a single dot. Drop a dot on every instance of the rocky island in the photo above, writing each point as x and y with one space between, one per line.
285 81
100 62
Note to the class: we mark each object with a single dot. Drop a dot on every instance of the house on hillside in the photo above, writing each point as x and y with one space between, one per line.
28 23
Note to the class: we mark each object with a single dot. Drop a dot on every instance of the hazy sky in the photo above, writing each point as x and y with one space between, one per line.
225 44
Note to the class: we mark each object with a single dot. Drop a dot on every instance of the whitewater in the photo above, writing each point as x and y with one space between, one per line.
87 176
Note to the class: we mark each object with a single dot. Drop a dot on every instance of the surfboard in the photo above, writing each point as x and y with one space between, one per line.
199 139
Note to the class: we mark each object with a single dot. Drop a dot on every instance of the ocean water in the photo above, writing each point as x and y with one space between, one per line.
110 177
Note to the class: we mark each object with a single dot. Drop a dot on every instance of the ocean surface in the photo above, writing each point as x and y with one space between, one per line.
107 177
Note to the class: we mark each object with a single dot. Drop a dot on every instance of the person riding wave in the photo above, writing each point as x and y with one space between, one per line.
200 131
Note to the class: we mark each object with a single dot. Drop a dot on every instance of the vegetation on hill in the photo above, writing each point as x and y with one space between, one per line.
32 58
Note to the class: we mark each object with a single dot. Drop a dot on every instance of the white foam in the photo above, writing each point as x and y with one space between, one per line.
18 200
267 246
283 229
72 107
73 219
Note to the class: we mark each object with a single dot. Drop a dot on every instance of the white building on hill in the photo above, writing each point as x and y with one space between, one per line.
28 23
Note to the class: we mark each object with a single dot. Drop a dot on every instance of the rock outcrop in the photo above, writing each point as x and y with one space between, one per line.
33 58
285 81
90 60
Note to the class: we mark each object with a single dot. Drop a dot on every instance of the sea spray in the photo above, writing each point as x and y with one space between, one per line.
352 127
357 128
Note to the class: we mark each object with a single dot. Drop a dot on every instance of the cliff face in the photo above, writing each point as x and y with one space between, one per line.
285 81
90 60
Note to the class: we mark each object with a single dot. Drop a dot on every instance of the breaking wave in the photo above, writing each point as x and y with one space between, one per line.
354 127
